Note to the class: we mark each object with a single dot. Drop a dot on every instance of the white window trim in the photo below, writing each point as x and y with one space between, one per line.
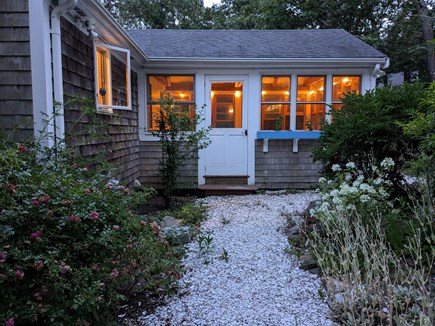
110 49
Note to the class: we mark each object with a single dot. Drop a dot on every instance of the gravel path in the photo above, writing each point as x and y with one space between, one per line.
259 284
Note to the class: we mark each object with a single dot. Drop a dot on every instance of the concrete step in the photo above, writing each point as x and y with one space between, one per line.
226 189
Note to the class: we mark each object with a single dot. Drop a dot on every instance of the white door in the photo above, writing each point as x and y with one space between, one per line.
226 112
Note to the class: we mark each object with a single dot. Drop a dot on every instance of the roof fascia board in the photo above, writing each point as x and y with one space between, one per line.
105 22
255 64
380 60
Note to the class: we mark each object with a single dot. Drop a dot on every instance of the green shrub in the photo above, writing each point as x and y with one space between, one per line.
422 127
366 129
70 248
181 139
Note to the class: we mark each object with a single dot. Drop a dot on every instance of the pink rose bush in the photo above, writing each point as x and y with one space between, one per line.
62 227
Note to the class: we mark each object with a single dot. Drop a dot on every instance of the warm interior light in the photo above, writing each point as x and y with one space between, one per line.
237 93
263 92
321 89
212 93
230 110
182 95
287 93
312 92
345 80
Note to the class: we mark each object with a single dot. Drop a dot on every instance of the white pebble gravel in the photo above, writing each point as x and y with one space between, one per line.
260 284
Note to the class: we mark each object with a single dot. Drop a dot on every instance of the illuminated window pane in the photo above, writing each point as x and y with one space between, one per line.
311 89
103 79
179 87
345 84
275 117
275 89
309 116
185 112
226 104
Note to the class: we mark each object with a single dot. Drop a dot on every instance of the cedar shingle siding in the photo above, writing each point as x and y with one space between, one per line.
150 156
280 168
117 133
16 111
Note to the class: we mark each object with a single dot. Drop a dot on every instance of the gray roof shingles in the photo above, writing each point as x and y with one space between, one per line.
254 44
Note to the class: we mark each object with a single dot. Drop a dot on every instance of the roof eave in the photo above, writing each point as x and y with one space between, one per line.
110 30
376 60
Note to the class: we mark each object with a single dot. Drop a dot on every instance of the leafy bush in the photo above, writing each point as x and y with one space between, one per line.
358 241
367 129
422 127
70 248
180 139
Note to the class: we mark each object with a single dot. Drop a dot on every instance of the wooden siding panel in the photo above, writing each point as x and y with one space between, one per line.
150 156
114 134
280 168
16 111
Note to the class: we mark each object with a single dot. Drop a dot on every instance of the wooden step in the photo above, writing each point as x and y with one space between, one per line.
226 180
226 189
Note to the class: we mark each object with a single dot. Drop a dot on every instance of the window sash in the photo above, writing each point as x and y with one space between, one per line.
109 51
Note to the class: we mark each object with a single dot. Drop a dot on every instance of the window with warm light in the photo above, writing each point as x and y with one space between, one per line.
275 103
226 104
180 88
112 78
310 102
342 85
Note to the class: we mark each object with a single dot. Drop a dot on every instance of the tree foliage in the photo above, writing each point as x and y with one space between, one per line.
402 29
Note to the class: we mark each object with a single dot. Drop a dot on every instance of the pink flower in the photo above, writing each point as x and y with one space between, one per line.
116 228
12 189
35 202
95 267
109 186
74 219
35 236
19 274
95 216
3 257
156 229
44 290
38 265
44 199
37 296
64 268
10 322
114 274
75 166
22 148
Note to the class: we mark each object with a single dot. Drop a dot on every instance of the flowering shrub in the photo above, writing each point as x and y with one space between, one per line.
367 129
376 255
367 190
70 248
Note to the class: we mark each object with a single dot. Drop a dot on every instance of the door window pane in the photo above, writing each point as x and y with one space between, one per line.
226 104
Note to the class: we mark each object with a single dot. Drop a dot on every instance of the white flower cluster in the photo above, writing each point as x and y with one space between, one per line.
350 188
387 163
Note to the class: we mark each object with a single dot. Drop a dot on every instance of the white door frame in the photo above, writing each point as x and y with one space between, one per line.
204 81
